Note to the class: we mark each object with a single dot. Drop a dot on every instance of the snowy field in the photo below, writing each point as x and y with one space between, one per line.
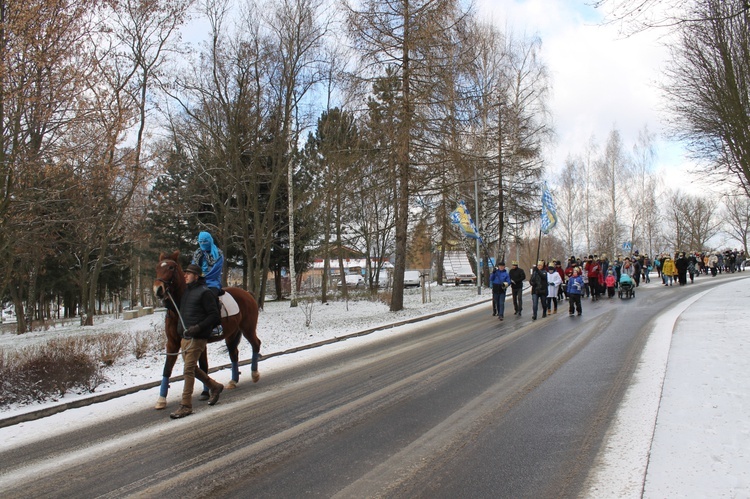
280 328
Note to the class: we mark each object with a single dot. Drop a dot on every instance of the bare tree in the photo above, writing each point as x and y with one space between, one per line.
639 193
639 15
131 55
709 91
588 168
737 218
296 31
569 201
512 124
692 220
612 176
43 65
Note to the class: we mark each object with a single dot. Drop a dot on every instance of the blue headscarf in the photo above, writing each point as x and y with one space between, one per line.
206 242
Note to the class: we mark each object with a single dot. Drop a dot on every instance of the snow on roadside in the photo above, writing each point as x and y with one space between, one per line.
280 328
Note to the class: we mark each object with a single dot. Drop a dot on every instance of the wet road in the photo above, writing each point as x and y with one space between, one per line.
466 406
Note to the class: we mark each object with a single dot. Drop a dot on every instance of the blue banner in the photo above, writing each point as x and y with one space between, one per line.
549 211
462 218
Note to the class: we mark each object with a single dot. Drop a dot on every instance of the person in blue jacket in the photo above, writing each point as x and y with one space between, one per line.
575 290
499 280
211 261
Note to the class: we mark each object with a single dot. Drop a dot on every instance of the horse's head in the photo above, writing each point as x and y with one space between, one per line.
169 276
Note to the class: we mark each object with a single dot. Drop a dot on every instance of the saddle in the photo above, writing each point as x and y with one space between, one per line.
229 305
229 308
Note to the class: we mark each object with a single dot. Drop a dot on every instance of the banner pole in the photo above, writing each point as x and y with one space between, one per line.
476 211
538 246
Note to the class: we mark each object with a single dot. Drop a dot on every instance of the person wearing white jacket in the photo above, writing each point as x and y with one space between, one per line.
554 281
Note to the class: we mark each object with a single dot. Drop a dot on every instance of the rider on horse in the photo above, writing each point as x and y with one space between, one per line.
211 260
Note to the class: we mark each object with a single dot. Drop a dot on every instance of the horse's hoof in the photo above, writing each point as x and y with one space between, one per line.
231 385
204 396
256 376
161 403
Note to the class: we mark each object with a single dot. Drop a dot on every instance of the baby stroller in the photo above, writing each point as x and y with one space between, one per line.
627 287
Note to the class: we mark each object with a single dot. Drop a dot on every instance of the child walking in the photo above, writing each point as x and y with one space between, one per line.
610 281
575 290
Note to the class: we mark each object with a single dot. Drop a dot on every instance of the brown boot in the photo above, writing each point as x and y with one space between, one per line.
181 412
215 394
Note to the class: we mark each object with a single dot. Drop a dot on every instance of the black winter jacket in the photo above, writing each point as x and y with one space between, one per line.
538 282
517 277
198 306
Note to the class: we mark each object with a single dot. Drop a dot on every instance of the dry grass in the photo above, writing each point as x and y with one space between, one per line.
146 342
385 296
109 348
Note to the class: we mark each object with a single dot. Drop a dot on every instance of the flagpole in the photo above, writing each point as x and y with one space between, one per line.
538 245
539 240
476 212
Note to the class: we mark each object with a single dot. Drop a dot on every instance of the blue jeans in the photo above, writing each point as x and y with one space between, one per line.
499 302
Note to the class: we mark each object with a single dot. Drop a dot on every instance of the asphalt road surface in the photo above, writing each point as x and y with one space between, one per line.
465 407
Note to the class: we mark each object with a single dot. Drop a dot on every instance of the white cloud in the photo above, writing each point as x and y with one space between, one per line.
600 79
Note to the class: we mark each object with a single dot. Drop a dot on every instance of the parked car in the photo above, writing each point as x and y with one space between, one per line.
354 281
8 315
412 279
465 276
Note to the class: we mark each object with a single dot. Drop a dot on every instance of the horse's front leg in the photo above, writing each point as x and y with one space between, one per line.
203 364
173 350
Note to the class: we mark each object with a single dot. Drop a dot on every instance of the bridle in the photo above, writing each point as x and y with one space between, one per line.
168 286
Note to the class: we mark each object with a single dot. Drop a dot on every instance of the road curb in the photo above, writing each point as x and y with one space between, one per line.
103 397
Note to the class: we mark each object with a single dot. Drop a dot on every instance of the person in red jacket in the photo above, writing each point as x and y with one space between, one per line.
594 271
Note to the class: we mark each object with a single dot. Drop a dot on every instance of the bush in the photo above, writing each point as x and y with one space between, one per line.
385 297
109 348
48 371
145 342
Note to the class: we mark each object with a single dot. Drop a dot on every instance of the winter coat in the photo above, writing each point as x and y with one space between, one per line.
561 272
610 281
500 280
554 281
212 267
593 269
668 267
198 305
538 281
517 277
627 270
575 286
681 264
713 261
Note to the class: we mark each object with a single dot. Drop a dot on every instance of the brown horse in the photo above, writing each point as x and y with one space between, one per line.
169 286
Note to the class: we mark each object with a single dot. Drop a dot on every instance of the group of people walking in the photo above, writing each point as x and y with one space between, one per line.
545 280
681 266
596 276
